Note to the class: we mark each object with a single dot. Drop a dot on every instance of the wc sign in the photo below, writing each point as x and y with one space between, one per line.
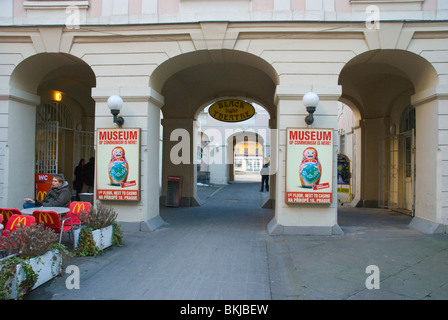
42 184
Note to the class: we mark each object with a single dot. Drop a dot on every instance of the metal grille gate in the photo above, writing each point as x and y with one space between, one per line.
47 144
52 117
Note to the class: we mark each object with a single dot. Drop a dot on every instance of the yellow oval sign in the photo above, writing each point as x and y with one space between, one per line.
231 110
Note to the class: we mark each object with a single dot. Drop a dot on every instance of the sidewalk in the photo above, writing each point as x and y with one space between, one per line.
221 250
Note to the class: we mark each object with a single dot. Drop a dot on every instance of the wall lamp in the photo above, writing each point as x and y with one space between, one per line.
115 103
310 100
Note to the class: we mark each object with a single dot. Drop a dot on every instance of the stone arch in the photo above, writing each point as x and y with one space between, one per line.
190 81
34 82
378 85
202 76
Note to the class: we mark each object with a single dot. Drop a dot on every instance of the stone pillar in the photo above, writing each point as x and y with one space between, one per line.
304 219
273 167
431 204
141 109
179 157
357 166
17 156
373 130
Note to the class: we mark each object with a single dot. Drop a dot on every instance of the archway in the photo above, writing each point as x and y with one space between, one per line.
191 82
51 90
379 87
249 152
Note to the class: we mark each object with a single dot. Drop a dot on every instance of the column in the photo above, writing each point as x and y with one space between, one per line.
141 109
17 146
179 157
304 219
373 130
431 190
270 203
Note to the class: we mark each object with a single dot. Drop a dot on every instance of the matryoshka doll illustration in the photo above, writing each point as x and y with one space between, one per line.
310 170
118 167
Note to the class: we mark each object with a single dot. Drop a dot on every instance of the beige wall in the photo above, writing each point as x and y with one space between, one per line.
288 57
174 11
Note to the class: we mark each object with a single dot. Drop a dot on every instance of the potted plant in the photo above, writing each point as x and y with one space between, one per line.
33 257
99 231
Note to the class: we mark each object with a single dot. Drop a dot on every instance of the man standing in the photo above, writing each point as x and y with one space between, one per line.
264 177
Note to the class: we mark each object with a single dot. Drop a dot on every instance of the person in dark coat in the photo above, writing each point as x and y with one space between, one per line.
58 196
89 174
78 183
264 177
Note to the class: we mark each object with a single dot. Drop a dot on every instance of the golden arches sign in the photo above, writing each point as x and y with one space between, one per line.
7 213
45 217
231 110
79 207
18 221
41 195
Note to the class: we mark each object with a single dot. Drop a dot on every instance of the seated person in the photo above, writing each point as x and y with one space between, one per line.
58 196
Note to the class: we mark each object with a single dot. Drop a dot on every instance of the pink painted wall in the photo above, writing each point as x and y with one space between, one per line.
135 6
168 6
95 8
172 6
262 5
342 5
298 5
19 10
430 5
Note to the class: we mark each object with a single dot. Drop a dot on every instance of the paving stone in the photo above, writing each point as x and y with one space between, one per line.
221 251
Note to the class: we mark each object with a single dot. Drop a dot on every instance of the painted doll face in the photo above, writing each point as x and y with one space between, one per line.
118 153
310 153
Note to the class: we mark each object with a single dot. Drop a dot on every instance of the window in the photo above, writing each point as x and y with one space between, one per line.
408 119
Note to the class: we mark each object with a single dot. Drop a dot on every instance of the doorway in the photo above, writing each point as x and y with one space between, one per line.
407 128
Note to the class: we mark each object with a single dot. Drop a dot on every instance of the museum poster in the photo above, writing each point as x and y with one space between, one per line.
118 164
309 165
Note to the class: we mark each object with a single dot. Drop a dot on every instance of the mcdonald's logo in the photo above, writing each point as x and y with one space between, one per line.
45 217
41 195
7 213
18 222
79 207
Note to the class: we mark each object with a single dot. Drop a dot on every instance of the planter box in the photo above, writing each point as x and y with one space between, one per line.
102 237
46 266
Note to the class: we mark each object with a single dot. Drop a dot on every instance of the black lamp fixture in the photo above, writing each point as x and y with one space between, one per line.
310 100
115 104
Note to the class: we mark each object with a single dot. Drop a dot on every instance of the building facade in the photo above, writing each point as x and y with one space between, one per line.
386 60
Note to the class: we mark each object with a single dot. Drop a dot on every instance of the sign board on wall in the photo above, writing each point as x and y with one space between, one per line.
118 164
231 110
42 185
309 165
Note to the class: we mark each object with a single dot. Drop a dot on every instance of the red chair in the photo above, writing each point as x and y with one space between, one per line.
16 221
51 220
7 213
76 208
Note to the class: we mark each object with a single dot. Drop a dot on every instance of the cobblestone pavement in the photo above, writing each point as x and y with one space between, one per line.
221 251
